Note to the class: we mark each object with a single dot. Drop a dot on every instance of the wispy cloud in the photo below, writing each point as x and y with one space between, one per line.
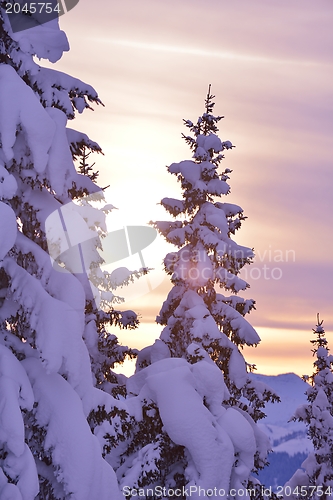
231 56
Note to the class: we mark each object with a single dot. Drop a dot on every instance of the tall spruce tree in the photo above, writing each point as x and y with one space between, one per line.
316 474
56 352
190 428
197 317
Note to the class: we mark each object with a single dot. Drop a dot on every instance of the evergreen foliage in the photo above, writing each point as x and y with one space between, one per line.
196 315
71 429
191 388
56 350
317 470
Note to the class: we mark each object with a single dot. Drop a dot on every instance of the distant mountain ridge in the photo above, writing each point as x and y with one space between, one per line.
289 440
291 389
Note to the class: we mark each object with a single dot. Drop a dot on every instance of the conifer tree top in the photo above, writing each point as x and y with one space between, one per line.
206 146
324 360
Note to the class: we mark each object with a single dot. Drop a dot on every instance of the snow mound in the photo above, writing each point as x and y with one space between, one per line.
189 398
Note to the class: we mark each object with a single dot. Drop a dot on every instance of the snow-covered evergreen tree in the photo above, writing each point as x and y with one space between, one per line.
197 317
55 350
317 470
193 404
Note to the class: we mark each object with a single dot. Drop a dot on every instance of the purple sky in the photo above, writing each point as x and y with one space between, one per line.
270 64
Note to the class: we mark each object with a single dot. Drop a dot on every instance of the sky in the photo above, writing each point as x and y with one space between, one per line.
270 64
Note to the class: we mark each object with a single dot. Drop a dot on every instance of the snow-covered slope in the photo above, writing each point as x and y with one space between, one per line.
289 441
